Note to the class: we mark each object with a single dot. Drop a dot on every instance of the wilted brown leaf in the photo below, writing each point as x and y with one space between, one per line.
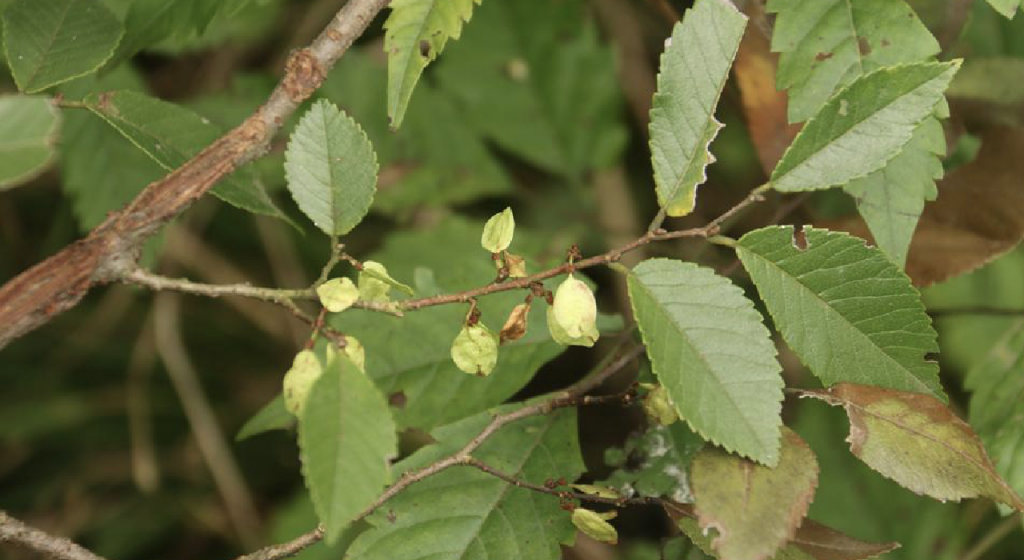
755 509
515 325
918 442
764 107
978 216
813 541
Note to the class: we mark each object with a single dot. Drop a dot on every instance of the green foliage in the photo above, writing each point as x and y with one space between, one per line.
844 308
28 126
48 42
862 126
148 22
331 169
273 416
828 44
554 80
417 31
171 135
1007 7
464 513
711 351
755 509
662 456
694 68
346 437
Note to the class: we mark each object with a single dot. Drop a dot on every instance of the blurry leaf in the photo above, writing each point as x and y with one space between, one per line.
346 437
409 357
52 41
827 44
978 215
755 509
891 199
655 463
763 105
150 21
694 69
416 33
710 349
28 132
994 80
997 404
812 541
862 126
331 169
171 135
463 513
843 307
418 165
1006 7
917 441
532 76
273 416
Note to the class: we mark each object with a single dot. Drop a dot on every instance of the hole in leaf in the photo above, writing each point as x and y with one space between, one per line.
397 400
799 238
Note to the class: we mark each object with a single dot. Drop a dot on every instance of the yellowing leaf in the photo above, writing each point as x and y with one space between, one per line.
337 294
755 509
299 380
475 350
575 309
917 441
593 524
498 231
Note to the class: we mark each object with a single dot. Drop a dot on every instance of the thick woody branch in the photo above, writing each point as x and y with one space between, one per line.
16 532
111 250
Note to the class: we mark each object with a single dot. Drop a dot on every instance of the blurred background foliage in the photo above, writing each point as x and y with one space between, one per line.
541 105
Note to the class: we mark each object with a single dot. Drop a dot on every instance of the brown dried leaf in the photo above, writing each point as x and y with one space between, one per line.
515 325
813 541
764 107
918 442
755 509
978 216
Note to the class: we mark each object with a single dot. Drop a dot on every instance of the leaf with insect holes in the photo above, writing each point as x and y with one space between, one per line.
464 513
844 308
28 133
826 44
863 126
694 69
346 437
48 42
812 541
755 509
415 34
171 135
917 441
331 169
710 349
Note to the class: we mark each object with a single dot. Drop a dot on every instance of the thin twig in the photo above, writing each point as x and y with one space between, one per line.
563 494
17 532
571 396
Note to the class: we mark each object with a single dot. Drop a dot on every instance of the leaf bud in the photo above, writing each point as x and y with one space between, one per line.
498 231
659 407
299 380
516 265
372 288
572 316
475 350
595 526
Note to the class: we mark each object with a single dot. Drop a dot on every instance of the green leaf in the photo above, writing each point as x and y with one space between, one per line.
694 69
409 358
862 126
918 442
331 169
28 132
149 22
710 349
826 44
1007 8
891 199
812 541
171 135
346 437
463 513
844 308
415 34
532 76
52 41
663 454
755 509
498 231
997 404
273 416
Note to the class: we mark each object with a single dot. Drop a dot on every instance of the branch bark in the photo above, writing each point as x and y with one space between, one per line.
111 250
17 532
